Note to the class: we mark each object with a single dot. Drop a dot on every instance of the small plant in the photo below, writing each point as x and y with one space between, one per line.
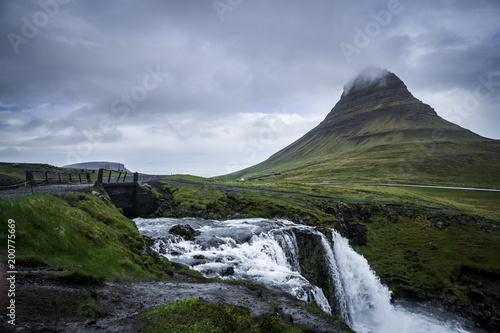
30 261
88 306
79 278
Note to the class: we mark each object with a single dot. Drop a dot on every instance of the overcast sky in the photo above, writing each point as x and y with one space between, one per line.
209 87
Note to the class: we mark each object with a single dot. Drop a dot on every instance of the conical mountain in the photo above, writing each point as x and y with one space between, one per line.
379 132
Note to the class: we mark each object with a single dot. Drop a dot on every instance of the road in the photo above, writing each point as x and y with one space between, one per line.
330 182
57 190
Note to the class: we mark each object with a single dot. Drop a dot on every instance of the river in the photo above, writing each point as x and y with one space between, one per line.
266 251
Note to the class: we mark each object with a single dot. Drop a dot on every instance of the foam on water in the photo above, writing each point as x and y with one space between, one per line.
266 252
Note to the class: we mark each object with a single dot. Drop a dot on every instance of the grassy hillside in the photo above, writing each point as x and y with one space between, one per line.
81 234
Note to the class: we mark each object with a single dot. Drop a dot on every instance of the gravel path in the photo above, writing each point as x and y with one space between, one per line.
56 190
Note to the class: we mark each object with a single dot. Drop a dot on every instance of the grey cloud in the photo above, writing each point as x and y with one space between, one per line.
262 55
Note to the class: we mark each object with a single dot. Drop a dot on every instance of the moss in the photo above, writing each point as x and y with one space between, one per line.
197 315
30 261
79 278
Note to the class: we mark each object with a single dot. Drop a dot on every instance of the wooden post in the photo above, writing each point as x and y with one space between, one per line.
99 175
124 176
70 178
119 175
88 178
47 177
136 177
109 177
80 177
59 175
30 178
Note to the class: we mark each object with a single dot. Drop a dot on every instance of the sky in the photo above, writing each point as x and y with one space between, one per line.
210 87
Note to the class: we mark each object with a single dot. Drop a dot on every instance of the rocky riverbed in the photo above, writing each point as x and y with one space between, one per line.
44 305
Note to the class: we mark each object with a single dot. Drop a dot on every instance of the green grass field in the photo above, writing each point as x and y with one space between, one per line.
467 201
81 234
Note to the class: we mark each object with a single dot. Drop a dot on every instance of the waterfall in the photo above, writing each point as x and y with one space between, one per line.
266 251
365 304
363 300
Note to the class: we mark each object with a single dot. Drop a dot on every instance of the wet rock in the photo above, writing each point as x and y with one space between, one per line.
476 295
199 256
228 271
287 318
185 231
312 258
357 235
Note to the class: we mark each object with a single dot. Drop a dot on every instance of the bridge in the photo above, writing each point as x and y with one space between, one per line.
123 188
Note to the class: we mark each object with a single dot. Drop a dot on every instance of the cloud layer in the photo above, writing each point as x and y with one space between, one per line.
205 87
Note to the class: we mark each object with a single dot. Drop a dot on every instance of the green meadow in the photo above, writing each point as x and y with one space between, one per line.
82 234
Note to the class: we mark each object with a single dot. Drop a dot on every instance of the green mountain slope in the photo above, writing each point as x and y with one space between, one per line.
379 132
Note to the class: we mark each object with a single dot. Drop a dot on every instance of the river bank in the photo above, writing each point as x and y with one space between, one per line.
49 306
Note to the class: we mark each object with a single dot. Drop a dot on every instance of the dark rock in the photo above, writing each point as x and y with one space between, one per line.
287 318
365 214
312 258
393 216
357 234
228 271
185 231
476 295
199 256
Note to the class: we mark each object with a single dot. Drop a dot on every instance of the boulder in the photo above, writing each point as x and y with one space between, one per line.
476 295
228 271
185 231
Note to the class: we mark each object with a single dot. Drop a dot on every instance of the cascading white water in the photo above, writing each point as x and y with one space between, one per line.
266 252
366 304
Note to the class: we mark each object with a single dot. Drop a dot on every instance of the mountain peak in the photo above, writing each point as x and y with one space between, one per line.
374 79
369 76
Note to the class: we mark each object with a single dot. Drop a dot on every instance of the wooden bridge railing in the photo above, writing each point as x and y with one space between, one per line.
40 177
44 177
112 176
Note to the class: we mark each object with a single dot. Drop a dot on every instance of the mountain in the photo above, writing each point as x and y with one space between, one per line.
98 165
379 132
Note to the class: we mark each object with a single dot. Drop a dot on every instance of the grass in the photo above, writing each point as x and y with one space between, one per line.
200 200
79 278
192 315
82 234
414 256
88 306
190 178
466 201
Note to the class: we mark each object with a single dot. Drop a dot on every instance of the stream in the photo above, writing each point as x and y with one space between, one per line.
266 251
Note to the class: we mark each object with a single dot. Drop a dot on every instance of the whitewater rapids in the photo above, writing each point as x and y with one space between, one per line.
266 251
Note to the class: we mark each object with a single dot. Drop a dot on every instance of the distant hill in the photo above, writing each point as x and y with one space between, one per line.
379 132
98 165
